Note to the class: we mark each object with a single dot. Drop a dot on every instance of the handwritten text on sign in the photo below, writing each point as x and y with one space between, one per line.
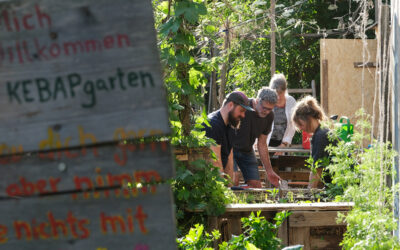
110 223
71 63
98 198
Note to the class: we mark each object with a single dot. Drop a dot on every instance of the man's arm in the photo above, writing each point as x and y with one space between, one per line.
229 168
218 162
264 156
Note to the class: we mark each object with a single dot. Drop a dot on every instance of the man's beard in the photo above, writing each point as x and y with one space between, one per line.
234 123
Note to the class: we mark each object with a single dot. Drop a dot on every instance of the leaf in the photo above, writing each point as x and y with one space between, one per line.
258 12
176 106
259 2
332 7
250 246
182 56
210 29
190 10
184 39
172 25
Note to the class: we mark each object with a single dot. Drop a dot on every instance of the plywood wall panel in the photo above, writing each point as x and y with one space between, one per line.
344 88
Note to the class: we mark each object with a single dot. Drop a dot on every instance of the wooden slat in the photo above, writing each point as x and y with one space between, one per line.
289 161
336 206
313 219
326 242
283 232
87 168
30 225
300 90
87 67
300 236
325 86
294 176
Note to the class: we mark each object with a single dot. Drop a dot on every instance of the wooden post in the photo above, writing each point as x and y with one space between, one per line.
283 232
325 86
273 50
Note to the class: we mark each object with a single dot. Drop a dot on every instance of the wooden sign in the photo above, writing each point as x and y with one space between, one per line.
75 68
108 197
60 223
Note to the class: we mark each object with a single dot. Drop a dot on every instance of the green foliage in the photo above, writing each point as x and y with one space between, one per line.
257 231
362 175
258 234
199 187
197 239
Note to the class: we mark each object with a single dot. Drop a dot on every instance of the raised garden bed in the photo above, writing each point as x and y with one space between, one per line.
313 225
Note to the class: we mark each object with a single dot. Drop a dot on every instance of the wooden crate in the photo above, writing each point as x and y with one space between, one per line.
313 225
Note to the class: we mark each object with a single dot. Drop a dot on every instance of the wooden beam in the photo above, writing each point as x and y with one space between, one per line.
364 65
283 232
313 219
325 86
336 206
300 91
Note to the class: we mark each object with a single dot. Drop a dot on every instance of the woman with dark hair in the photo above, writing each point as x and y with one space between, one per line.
307 116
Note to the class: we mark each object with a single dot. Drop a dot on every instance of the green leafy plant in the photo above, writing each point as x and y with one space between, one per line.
201 189
362 174
198 239
259 232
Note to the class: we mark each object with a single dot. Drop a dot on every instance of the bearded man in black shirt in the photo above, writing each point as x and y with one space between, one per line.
228 116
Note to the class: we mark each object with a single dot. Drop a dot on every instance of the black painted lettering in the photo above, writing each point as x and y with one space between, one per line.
26 91
12 91
74 81
112 80
101 85
59 86
132 79
144 76
89 90
120 75
43 89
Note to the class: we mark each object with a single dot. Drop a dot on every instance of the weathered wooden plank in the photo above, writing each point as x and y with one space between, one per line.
323 242
294 176
300 236
87 169
289 161
314 219
75 68
283 232
336 206
58 222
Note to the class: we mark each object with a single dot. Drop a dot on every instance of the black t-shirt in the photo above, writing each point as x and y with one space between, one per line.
251 127
319 142
219 132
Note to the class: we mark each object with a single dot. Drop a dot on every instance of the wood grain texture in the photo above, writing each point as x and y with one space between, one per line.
157 232
109 46
90 168
300 236
337 206
314 219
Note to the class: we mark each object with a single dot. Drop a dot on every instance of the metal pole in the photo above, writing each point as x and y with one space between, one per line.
395 11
